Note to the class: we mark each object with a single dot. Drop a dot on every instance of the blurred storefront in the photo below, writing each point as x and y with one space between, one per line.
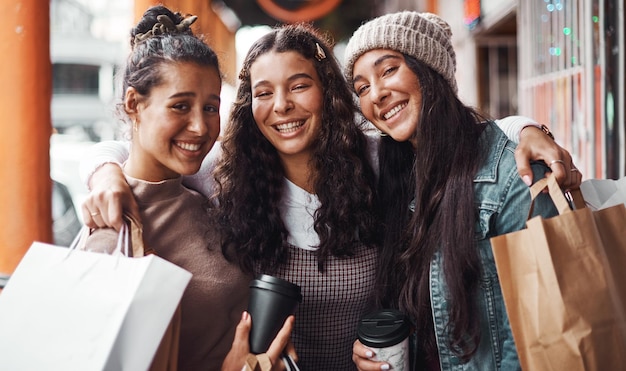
560 62
572 76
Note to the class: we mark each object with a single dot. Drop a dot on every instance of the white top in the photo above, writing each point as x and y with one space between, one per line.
297 209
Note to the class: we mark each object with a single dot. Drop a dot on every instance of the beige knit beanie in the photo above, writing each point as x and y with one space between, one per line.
424 36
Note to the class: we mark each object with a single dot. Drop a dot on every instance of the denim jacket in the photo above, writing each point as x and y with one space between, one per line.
502 200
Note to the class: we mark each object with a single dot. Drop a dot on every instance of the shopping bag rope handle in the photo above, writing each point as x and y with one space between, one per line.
557 195
78 243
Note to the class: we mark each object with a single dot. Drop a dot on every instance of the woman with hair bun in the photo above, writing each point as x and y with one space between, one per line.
171 99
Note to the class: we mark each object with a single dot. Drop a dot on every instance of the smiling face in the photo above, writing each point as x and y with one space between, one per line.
177 123
287 101
389 93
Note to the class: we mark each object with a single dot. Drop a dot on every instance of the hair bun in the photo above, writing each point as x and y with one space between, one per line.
163 24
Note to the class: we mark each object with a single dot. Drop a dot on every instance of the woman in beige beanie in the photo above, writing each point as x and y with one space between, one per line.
448 183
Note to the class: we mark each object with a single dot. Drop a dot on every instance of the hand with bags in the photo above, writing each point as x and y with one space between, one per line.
564 285
172 85
68 309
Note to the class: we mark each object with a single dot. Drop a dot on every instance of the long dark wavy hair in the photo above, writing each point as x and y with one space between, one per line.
250 175
436 177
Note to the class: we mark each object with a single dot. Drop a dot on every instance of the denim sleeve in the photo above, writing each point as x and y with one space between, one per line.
543 203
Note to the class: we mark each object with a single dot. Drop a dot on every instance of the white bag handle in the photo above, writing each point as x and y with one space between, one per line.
79 241
131 232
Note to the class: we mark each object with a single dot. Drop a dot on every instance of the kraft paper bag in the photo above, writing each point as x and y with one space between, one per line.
564 285
69 309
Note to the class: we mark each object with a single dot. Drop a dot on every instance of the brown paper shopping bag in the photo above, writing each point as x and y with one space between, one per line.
564 285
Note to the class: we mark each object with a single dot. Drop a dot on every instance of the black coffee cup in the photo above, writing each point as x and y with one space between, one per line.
386 332
272 300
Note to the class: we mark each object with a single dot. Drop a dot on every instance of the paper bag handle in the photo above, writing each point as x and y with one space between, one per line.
136 237
557 195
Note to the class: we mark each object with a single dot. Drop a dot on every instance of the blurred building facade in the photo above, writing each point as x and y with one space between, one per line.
88 44
83 68
559 62
572 76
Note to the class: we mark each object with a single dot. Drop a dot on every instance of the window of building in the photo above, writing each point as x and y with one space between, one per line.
572 78
75 79
497 58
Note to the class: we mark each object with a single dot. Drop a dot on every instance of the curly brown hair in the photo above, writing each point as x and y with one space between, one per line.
250 175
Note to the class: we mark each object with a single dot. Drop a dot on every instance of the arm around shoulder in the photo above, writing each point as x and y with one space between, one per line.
115 152
512 126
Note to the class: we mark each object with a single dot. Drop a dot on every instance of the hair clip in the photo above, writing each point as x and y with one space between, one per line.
319 55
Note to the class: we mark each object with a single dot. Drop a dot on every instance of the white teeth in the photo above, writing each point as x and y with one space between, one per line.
289 127
188 146
394 110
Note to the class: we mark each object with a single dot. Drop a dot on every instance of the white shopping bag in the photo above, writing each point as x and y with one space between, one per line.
604 193
67 309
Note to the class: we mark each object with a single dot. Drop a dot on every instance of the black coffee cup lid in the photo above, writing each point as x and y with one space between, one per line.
267 282
383 328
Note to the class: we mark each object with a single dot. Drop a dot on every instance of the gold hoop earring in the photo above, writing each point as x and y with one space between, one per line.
135 125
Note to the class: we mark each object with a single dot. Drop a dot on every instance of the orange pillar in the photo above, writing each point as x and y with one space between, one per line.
25 193
432 6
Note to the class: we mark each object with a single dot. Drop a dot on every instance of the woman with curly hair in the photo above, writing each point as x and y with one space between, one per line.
296 191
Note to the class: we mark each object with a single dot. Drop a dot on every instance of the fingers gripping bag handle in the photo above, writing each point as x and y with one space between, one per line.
130 240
